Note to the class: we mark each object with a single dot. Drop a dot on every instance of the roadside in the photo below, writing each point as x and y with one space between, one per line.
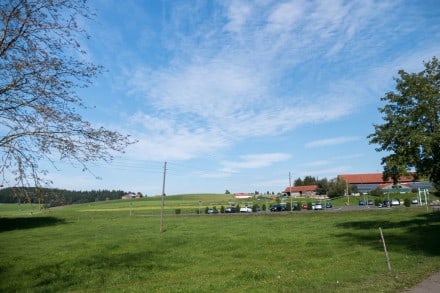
431 284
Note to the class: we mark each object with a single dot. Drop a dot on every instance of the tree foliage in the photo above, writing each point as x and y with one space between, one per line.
51 197
42 65
337 187
308 180
411 129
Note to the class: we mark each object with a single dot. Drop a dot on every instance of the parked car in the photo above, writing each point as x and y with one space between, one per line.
304 206
318 206
414 201
328 205
361 203
395 202
370 202
277 208
212 211
386 203
231 210
246 210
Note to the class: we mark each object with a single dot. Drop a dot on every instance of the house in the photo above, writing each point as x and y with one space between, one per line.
242 195
306 190
131 195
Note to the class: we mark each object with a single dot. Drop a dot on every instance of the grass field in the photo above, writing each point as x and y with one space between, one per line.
117 246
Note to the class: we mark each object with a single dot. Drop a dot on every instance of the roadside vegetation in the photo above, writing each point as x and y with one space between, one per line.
115 246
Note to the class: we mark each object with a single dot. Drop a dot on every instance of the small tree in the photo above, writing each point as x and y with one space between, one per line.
337 188
322 186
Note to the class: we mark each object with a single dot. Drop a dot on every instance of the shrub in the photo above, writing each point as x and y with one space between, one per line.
376 192
222 209
309 206
178 211
407 202
377 201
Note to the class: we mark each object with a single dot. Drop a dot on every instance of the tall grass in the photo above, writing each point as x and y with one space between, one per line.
102 247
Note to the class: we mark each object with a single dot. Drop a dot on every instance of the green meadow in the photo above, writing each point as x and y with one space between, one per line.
117 246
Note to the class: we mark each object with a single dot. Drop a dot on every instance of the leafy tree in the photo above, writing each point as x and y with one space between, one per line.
337 188
298 182
323 186
41 66
411 129
309 180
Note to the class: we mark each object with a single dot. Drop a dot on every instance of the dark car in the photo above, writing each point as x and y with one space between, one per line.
328 205
361 203
386 203
231 210
277 208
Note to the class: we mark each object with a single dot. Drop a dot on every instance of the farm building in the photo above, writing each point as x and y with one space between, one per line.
371 181
307 190
242 195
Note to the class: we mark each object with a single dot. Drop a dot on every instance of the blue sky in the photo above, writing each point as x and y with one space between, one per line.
236 94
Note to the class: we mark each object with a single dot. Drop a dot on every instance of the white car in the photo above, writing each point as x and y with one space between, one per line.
395 202
245 210
318 206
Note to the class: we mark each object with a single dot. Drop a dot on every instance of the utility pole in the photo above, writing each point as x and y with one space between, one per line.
163 195
290 190
290 184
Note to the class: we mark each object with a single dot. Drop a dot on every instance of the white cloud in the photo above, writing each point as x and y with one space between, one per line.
331 141
254 161
237 13
256 70
285 16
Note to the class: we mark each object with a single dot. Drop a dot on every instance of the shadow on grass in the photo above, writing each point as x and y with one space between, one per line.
104 271
8 224
416 234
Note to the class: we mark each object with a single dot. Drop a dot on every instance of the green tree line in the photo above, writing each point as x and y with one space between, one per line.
50 197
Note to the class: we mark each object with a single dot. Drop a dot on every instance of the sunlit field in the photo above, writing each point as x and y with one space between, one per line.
117 246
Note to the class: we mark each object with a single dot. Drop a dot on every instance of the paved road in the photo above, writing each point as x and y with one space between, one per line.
431 284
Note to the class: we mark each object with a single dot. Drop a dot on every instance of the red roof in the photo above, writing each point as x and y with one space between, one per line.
304 188
372 178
